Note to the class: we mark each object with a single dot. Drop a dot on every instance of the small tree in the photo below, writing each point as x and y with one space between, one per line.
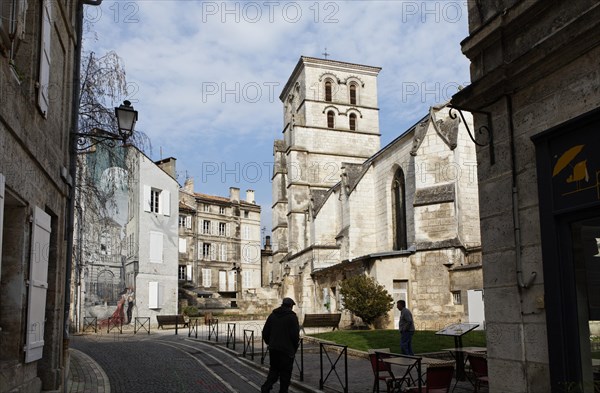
365 298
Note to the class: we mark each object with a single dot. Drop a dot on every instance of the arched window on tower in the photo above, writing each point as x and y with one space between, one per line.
330 118
353 94
328 91
353 121
399 210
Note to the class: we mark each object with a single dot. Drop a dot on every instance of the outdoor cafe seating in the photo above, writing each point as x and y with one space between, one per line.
478 362
381 370
438 379
411 375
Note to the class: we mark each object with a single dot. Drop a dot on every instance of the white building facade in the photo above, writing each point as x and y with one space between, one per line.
152 244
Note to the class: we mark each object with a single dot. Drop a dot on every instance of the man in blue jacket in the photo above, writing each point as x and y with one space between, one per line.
282 334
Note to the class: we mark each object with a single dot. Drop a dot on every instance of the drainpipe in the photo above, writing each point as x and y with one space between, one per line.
515 202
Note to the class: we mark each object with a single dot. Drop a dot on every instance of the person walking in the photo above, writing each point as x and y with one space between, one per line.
282 335
406 327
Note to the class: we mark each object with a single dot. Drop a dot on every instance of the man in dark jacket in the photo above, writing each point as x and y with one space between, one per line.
282 335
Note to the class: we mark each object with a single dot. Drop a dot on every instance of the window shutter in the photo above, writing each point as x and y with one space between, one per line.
206 277
213 228
38 285
227 229
146 201
213 252
1 216
182 244
232 282
224 252
188 222
247 279
156 247
188 272
153 290
200 251
165 202
44 77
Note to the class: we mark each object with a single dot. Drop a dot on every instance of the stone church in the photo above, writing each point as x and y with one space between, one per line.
405 214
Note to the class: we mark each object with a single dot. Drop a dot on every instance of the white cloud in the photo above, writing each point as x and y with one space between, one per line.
178 52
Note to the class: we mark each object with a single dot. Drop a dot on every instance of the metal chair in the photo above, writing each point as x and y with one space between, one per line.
381 370
438 379
478 363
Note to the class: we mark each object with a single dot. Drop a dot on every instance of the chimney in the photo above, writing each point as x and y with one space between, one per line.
234 194
168 165
268 243
250 196
188 185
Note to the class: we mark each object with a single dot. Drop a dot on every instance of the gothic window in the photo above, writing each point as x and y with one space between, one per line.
399 210
328 91
330 117
353 94
353 122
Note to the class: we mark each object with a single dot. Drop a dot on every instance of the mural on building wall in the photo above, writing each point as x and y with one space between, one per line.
100 250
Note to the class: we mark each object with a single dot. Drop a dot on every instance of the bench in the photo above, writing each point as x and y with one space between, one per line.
321 320
171 320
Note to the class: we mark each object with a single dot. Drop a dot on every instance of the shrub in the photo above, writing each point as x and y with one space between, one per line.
365 298
191 311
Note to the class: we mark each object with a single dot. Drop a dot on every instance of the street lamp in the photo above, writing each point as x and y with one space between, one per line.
126 118
287 269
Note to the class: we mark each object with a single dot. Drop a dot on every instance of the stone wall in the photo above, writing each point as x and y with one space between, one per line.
547 75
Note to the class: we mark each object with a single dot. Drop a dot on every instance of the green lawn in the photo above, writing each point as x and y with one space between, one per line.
423 341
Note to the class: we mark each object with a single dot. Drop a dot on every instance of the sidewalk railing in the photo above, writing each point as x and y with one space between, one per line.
248 343
140 323
90 322
230 335
213 329
323 350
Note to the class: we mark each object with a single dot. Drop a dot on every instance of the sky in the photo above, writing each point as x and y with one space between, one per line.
205 76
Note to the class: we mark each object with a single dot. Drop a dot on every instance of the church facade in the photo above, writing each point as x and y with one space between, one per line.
406 214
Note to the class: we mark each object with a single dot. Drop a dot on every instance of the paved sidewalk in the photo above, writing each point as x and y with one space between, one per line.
85 375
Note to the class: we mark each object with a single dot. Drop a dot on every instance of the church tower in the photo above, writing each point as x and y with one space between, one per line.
330 117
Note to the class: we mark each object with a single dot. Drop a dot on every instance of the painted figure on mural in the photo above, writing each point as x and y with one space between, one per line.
130 297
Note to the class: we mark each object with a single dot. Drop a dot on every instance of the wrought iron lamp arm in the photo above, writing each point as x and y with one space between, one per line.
489 130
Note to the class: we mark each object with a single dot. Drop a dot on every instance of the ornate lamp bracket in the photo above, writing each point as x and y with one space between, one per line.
485 129
86 141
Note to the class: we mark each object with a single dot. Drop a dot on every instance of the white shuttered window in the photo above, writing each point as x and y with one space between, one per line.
38 285
153 294
44 81
206 278
156 247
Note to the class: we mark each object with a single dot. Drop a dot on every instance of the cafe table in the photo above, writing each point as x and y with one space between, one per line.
463 361
411 363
